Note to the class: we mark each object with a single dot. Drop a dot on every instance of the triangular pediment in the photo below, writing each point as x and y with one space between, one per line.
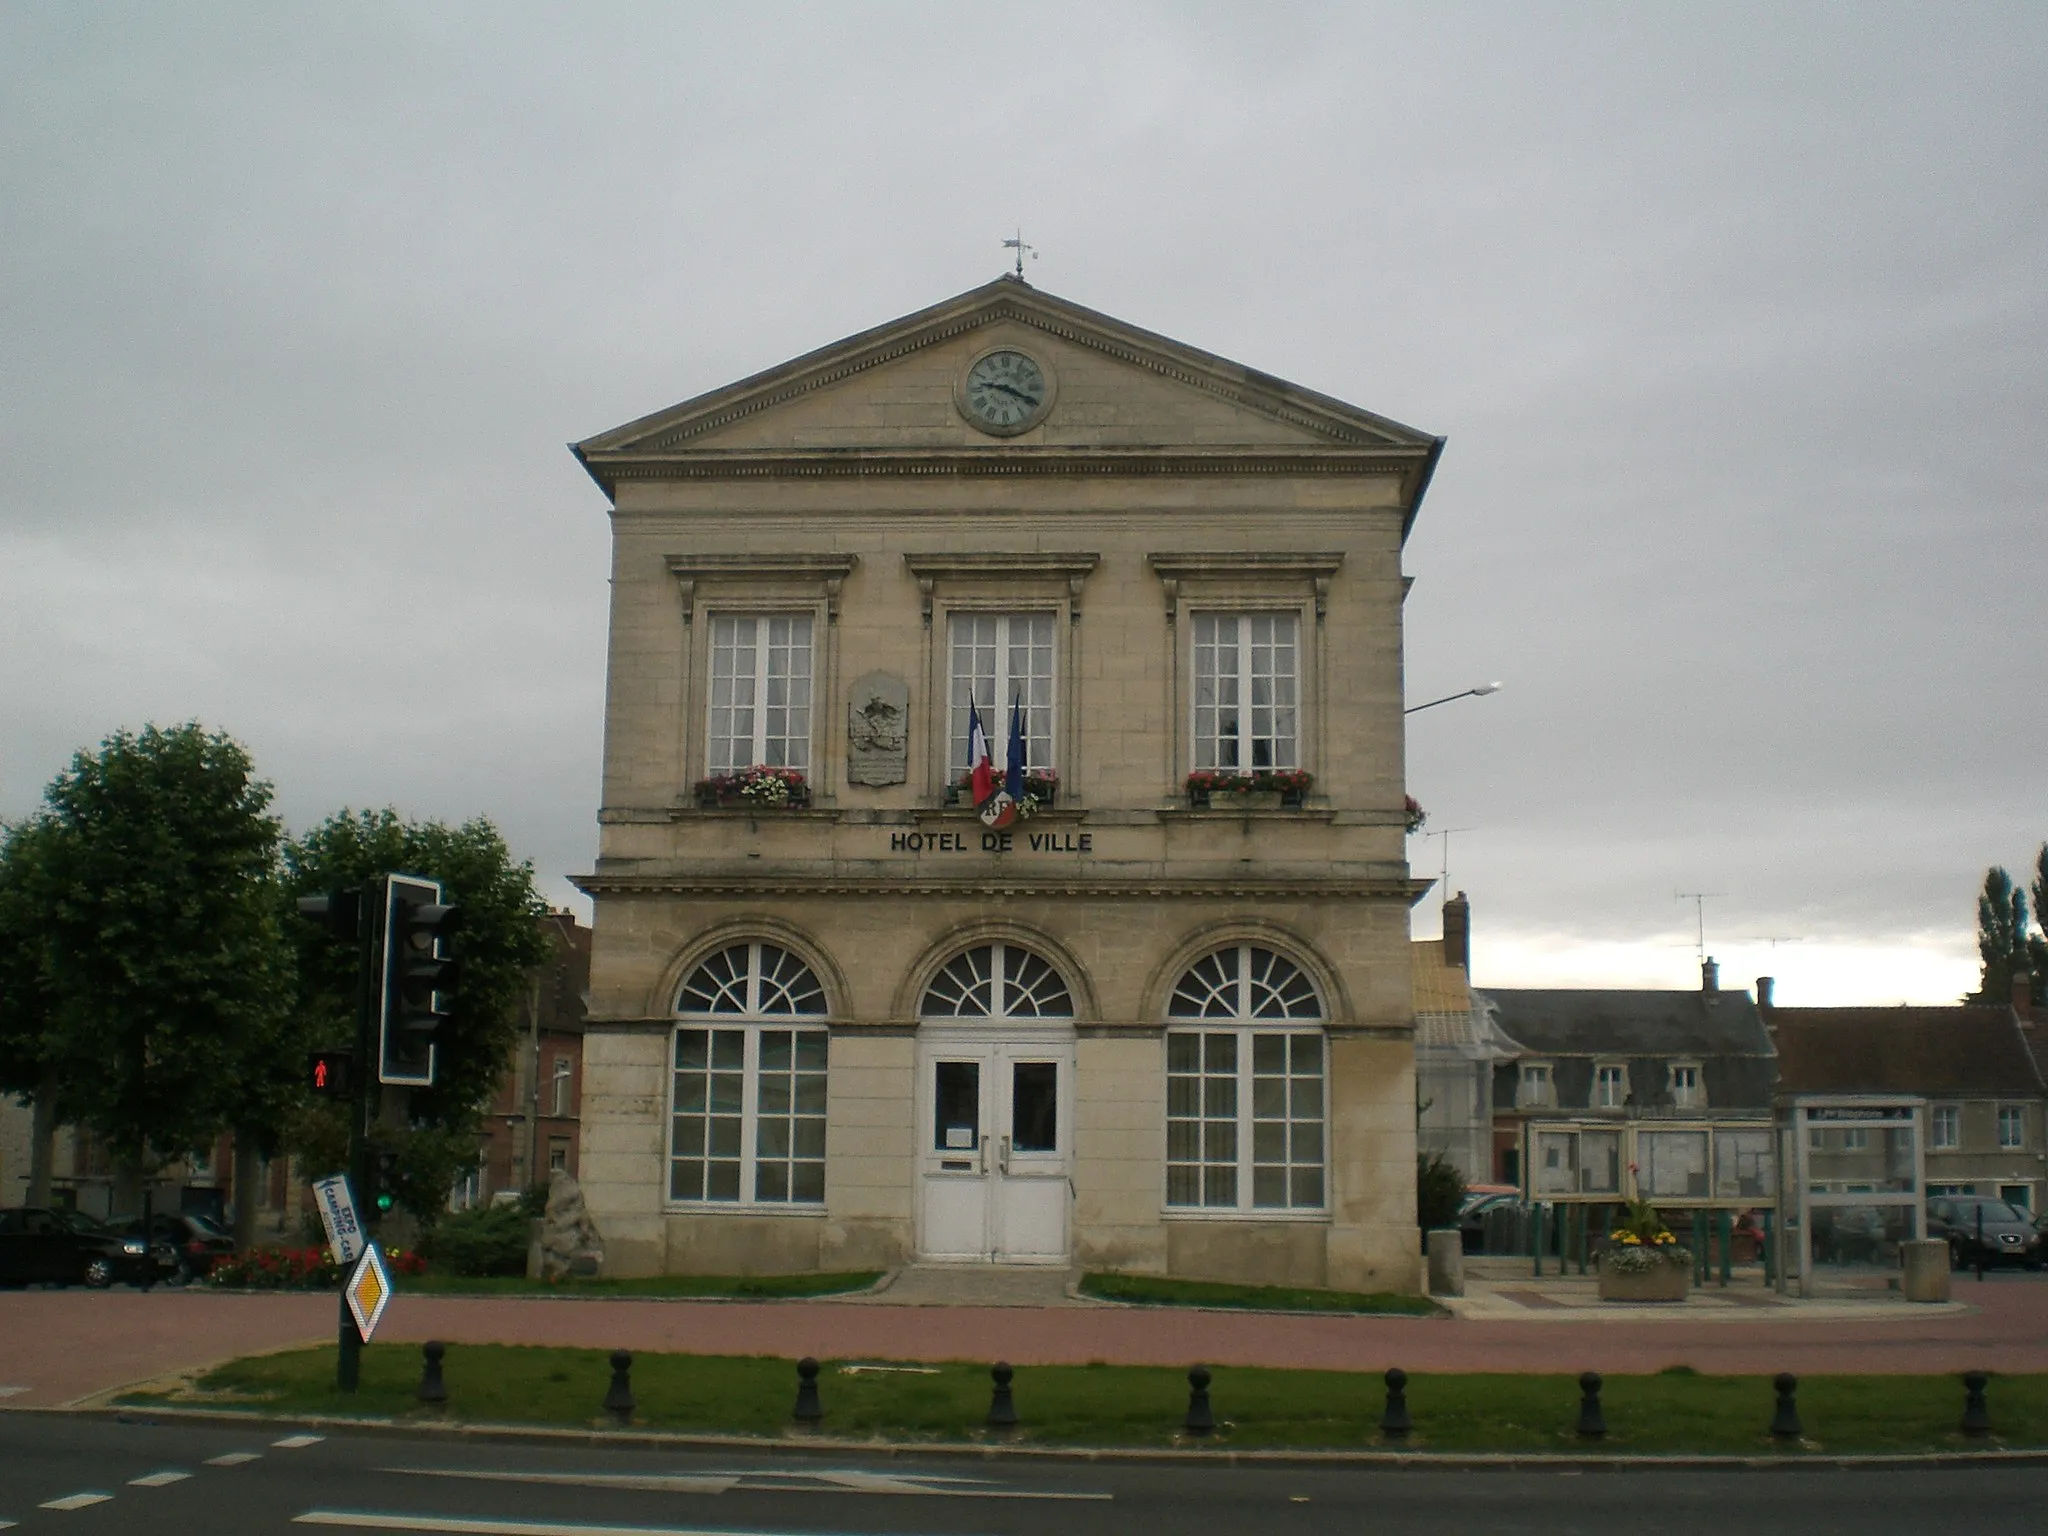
1117 391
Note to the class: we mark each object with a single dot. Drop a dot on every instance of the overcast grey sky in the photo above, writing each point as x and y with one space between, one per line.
1736 318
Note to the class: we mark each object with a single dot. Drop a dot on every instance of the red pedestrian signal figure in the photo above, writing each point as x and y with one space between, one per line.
328 1073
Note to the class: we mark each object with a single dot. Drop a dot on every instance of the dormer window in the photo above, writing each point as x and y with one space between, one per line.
1532 1090
1687 1091
1610 1085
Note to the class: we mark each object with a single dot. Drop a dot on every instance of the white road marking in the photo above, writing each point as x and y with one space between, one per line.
827 1481
296 1442
77 1501
234 1458
459 1525
14 1392
158 1479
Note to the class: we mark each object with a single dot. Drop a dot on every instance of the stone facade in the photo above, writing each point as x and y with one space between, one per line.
1161 490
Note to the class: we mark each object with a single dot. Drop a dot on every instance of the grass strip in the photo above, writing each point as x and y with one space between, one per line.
1159 1291
755 1287
1675 1412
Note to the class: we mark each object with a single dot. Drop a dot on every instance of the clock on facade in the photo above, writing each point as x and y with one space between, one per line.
1005 392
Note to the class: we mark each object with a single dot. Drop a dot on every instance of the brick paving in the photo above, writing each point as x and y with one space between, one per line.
67 1346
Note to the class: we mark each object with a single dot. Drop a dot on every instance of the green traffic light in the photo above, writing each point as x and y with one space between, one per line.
383 1202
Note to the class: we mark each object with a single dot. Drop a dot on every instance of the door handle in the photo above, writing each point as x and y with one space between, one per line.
1005 1155
981 1157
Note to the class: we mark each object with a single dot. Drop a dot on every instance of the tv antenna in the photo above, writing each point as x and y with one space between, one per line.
1444 875
1699 900
1020 248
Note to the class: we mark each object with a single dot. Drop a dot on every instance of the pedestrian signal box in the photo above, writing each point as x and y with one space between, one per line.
331 1074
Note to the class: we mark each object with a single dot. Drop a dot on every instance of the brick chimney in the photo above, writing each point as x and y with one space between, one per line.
1458 932
1763 990
1710 975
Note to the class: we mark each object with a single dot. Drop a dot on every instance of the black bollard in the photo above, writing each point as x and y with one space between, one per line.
1785 1422
1976 1412
1592 1422
1200 1420
1395 1423
432 1390
808 1409
618 1398
1002 1408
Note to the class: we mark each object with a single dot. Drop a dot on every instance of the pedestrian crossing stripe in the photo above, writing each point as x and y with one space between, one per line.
369 1291
76 1501
158 1479
234 1458
296 1442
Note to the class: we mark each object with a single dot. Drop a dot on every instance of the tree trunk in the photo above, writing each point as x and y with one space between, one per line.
247 1189
42 1147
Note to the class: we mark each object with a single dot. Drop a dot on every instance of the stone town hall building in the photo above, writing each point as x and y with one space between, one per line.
1160 1024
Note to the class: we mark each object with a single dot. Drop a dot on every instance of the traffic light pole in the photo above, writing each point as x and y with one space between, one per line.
348 1363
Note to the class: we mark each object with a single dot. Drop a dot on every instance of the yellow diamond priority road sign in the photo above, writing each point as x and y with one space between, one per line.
368 1290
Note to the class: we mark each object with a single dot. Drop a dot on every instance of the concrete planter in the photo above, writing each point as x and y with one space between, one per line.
1663 1282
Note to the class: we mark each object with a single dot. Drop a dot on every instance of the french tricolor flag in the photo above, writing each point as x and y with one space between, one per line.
983 771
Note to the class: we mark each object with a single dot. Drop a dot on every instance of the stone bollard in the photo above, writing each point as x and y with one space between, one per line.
1395 1423
432 1390
1592 1421
1925 1266
1785 1422
618 1398
1200 1420
809 1410
1446 1261
1002 1408
1976 1412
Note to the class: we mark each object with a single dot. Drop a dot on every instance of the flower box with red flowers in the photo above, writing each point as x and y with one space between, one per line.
1230 789
759 788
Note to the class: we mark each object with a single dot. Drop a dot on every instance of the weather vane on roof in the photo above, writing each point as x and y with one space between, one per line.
1020 248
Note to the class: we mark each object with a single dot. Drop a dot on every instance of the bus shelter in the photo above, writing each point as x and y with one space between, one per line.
1851 1172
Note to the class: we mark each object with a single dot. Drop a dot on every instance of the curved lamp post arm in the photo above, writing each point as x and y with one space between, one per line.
1478 692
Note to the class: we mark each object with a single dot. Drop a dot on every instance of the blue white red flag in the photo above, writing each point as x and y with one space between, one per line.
983 776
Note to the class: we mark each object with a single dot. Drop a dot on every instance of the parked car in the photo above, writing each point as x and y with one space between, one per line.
1998 1232
68 1248
1472 1215
185 1247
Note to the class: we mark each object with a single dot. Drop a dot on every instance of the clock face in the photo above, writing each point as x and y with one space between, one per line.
1005 391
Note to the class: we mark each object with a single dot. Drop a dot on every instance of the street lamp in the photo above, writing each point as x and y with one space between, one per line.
1479 692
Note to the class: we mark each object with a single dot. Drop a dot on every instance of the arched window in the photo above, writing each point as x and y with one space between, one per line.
997 981
1245 1104
747 1113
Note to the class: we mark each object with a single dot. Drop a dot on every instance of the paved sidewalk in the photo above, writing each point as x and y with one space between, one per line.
66 1346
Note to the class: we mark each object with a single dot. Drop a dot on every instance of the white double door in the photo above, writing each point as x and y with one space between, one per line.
995 1135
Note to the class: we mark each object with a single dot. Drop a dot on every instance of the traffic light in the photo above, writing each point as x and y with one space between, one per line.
417 976
331 1074
382 1182
339 912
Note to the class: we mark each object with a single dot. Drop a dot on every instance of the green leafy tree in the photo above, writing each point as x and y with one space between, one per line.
2037 943
2001 933
152 882
27 1065
498 944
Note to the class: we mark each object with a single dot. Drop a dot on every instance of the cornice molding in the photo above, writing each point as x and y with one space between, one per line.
701 884
994 461
1071 567
829 571
1176 566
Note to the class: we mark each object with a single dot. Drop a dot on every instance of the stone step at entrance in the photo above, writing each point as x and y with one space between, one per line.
978 1285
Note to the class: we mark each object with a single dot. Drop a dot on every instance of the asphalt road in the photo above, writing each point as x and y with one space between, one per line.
77 1474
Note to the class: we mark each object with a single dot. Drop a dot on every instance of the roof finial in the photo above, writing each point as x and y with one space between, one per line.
1020 248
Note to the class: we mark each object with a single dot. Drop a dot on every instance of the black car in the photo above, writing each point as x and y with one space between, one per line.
186 1247
1991 1229
67 1248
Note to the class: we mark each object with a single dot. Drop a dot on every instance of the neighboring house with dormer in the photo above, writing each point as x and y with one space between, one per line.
1619 1092
1456 1050
1970 1064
